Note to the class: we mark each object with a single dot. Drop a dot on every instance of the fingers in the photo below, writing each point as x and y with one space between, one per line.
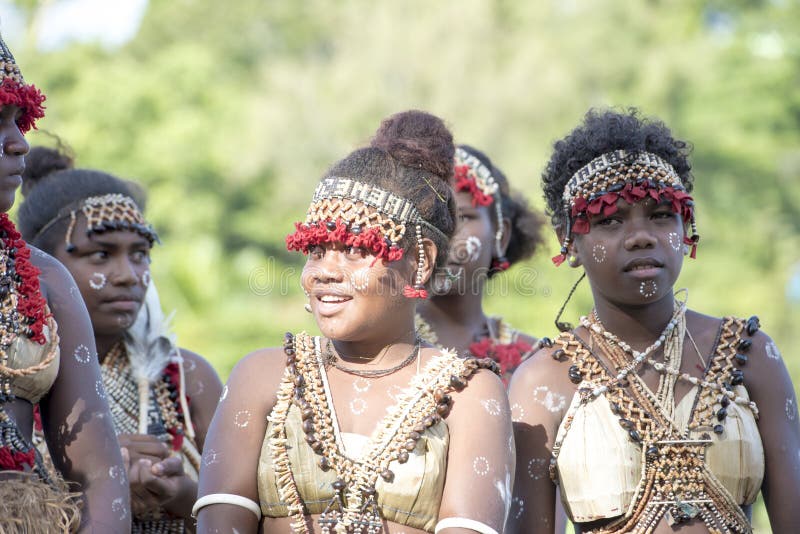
143 445
171 467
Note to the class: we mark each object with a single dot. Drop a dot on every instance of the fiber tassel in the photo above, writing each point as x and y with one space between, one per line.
144 404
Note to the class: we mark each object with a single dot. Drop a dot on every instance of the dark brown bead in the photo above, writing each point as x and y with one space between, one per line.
411 445
299 381
442 409
737 377
457 382
635 436
615 409
308 426
719 429
369 491
722 414
324 464
288 337
546 342
317 447
387 475
575 374
414 435
557 354
435 418
652 451
753 324
402 457
330 225
428 421
744 345
289 350
741 359
338 484
446 399
437 395
725 401
311 439
307 413
627 424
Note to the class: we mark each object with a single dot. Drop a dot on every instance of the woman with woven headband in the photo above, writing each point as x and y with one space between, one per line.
650 417
161 397
365 429
43 330
495 230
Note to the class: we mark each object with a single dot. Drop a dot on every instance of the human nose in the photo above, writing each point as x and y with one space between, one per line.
640 236
14 143
327 269
125 273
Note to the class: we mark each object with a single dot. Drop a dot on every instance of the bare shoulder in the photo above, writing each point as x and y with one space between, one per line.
198 364
547 366
258 374
54 274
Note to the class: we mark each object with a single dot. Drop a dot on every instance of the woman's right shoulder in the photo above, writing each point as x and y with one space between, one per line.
546 367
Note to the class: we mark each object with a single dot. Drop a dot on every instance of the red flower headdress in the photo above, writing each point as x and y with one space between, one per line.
15 92
358 214
598 185
473 176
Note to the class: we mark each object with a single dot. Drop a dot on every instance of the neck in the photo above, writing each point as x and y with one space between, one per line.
463 310
637 325
366 351
105 344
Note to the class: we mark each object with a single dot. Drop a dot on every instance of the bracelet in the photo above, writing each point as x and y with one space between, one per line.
226 498
463 522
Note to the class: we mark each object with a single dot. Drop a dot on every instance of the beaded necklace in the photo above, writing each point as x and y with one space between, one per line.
23 312
165 419
354 506
676 484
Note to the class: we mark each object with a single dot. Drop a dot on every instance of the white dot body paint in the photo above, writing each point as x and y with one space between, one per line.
361 384
211 457
97 281
189 365
197 387
538 468
675 241
648 288
118 507
360 279
492 406
791 409
517 507
75 293
473 246
116 472
394 392
358 406
772 351
242 418
554 402
82 354
599 253
101 391
481 466
517 412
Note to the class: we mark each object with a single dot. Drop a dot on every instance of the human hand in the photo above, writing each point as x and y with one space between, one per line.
144 446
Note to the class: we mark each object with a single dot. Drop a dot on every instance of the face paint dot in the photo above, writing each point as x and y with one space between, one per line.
197 387
75 293
118 507
97 281
481 466
599 253
82 354
211 457
101 391
517 412
772 351
492 406
358 406
360 280
361 384
474 246
554 402
146 278
116 472
538 467
675 241
242 418
648 288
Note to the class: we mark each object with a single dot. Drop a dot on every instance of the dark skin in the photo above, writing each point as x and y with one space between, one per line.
75 418
642 232
370 328
456 315
111 269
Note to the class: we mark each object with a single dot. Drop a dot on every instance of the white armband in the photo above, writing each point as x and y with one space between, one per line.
226 498
463 522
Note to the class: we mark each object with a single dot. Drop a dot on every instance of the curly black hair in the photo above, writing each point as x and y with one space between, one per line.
604 131
526 224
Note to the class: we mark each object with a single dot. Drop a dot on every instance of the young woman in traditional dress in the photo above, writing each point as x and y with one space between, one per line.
162 397
44 333
495 230
650 416
366 428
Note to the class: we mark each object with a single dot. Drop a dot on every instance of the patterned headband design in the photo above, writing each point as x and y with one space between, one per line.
473 176
104 213
632 176
360 215
15 92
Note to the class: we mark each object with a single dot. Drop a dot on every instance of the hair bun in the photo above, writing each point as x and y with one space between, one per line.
417 139
42 161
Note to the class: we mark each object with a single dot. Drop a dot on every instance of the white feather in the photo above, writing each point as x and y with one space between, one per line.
149 341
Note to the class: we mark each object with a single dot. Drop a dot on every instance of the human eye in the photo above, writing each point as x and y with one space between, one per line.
141 256
356 252
98 256
315 252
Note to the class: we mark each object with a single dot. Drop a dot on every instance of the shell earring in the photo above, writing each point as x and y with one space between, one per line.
307 305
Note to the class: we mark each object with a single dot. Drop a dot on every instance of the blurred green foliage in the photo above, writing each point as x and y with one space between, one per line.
230 112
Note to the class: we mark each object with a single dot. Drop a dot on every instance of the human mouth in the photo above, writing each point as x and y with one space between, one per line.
643 267
329 304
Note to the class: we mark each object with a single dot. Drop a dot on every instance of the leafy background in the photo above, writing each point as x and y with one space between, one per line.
230 112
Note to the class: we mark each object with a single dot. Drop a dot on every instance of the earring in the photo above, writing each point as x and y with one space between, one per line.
146 278
418 291
307 305
97 281
573 260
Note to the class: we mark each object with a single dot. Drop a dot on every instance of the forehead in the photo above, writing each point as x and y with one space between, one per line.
464 201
